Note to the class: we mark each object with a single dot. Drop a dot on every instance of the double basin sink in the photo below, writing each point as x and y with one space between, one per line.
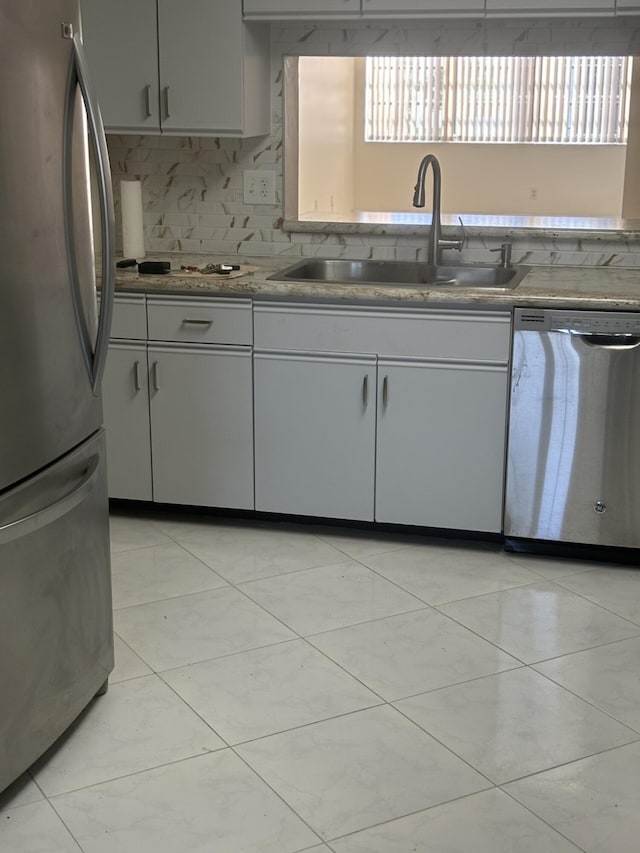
402 274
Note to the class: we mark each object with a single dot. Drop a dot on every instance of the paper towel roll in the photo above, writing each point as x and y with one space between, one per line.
132 219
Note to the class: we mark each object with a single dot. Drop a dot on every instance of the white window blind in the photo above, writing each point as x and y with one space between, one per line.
567 99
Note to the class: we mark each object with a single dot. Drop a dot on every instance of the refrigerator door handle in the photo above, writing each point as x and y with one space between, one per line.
79 77
42 517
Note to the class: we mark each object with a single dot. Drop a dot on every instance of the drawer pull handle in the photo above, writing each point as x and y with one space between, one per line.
365 390
385 391
136 376
154 376
188 321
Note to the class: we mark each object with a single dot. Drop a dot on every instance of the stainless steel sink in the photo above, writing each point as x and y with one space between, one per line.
402 273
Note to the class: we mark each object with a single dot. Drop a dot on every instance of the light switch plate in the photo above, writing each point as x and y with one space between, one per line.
259 186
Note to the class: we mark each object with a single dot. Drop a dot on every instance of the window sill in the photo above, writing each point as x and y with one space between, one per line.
388 223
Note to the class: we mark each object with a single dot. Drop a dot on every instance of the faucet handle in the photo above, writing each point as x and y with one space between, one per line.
463 239
505 254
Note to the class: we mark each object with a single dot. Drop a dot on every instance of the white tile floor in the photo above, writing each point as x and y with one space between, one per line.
280 689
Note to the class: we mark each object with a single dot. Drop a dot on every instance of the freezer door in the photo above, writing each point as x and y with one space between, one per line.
48 323
55 603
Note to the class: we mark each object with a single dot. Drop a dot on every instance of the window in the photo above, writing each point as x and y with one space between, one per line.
572 99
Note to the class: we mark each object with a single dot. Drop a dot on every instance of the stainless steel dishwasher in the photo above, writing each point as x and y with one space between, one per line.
573 461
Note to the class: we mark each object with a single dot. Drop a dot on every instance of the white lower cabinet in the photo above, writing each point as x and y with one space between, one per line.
126 417
395 415
178 409
315 434
409 429
202 425
440 443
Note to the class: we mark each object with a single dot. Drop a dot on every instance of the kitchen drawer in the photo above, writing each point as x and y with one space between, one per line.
459 335
129 317
201 321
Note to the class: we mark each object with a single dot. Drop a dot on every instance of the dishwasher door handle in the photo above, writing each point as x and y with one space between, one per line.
616 342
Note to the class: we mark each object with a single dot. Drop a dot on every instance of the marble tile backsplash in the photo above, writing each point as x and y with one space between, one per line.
193 186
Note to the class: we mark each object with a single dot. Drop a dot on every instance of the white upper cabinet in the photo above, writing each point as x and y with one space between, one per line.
418 8
189 68
274 9
123 61
550 7
628 7
214 70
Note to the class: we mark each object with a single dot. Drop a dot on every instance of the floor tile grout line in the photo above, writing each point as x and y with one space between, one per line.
527 775
542 660
605 751
219 571
169 597
201 754
603 606
64 823
194 711
240 589
278 795
539 817
481 637
584 651
452 601
410 814
636 731
375 554
299 726
444 746
446 803
454 684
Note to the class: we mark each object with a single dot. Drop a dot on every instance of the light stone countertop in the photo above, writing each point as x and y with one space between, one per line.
589 288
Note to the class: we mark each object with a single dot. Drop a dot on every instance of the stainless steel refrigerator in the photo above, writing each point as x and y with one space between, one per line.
56 639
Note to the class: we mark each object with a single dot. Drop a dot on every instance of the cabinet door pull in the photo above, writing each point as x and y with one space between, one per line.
167 114
365 390
154 376
385 391
136 376
147 96
193 321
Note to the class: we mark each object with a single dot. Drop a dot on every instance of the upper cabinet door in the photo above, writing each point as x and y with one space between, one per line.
269 9
549 7
123 60
214 71
417 8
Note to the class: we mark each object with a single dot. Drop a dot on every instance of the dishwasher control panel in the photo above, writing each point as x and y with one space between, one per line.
580 322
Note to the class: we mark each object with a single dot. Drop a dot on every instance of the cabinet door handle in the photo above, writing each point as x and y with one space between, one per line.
385 391
136 376
193 321
147 97
365 390
154 376
167 114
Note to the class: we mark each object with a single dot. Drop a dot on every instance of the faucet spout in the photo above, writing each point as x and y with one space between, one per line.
436 243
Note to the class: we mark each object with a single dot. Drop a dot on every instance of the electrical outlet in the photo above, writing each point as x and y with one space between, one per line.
259 186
